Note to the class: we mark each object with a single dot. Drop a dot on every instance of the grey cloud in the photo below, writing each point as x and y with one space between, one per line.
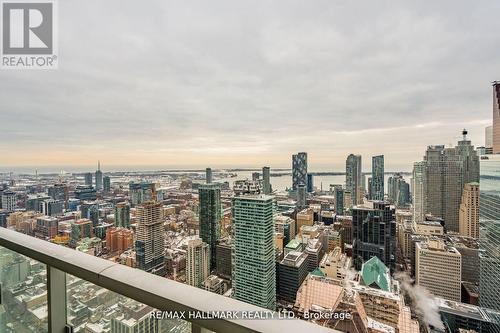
222 75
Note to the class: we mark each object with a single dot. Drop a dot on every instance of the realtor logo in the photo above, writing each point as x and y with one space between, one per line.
28 35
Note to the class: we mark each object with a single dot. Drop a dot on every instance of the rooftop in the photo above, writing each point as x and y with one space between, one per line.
293 244
256 197
318 272
375 272
437 245
209 186
466 310
433 223
293 258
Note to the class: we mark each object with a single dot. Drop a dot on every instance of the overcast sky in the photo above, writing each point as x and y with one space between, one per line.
248 83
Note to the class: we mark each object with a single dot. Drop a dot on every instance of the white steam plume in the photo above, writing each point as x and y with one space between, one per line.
423 301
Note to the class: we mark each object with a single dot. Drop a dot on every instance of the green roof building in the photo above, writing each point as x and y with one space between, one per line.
318 272
293 245
376 275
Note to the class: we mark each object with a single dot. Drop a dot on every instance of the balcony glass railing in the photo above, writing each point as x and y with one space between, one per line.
23 283
91 308
50 288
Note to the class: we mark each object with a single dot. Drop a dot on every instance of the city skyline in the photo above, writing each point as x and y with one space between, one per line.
337 166
248 85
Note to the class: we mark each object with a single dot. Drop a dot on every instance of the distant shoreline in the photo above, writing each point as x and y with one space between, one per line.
278 172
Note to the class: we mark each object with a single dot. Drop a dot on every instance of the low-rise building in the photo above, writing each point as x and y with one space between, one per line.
215 284
335 264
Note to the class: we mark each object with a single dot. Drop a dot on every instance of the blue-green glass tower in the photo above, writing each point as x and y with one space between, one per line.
377 183
353 175
339 200
210 216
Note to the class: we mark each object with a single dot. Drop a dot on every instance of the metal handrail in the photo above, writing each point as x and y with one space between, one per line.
158 292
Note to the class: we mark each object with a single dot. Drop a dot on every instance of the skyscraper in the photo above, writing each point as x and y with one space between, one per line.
299 170
370 188
404 195
210 216
339 199
98 177
469 211
496 117
469 159
353 178
398 190
488 137
418 194
150 241
106 183
434 174
310 183
489 233
140 192
301 196
254 254
266 183
362 188
374 233
208 175
197 262
88 179
377 184
122 215
452 187
447 170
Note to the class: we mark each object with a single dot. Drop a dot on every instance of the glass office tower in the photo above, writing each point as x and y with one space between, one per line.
489 233
353 175
210 216
377 187
299 170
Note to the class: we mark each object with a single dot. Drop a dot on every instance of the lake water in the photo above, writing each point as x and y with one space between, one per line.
280 183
